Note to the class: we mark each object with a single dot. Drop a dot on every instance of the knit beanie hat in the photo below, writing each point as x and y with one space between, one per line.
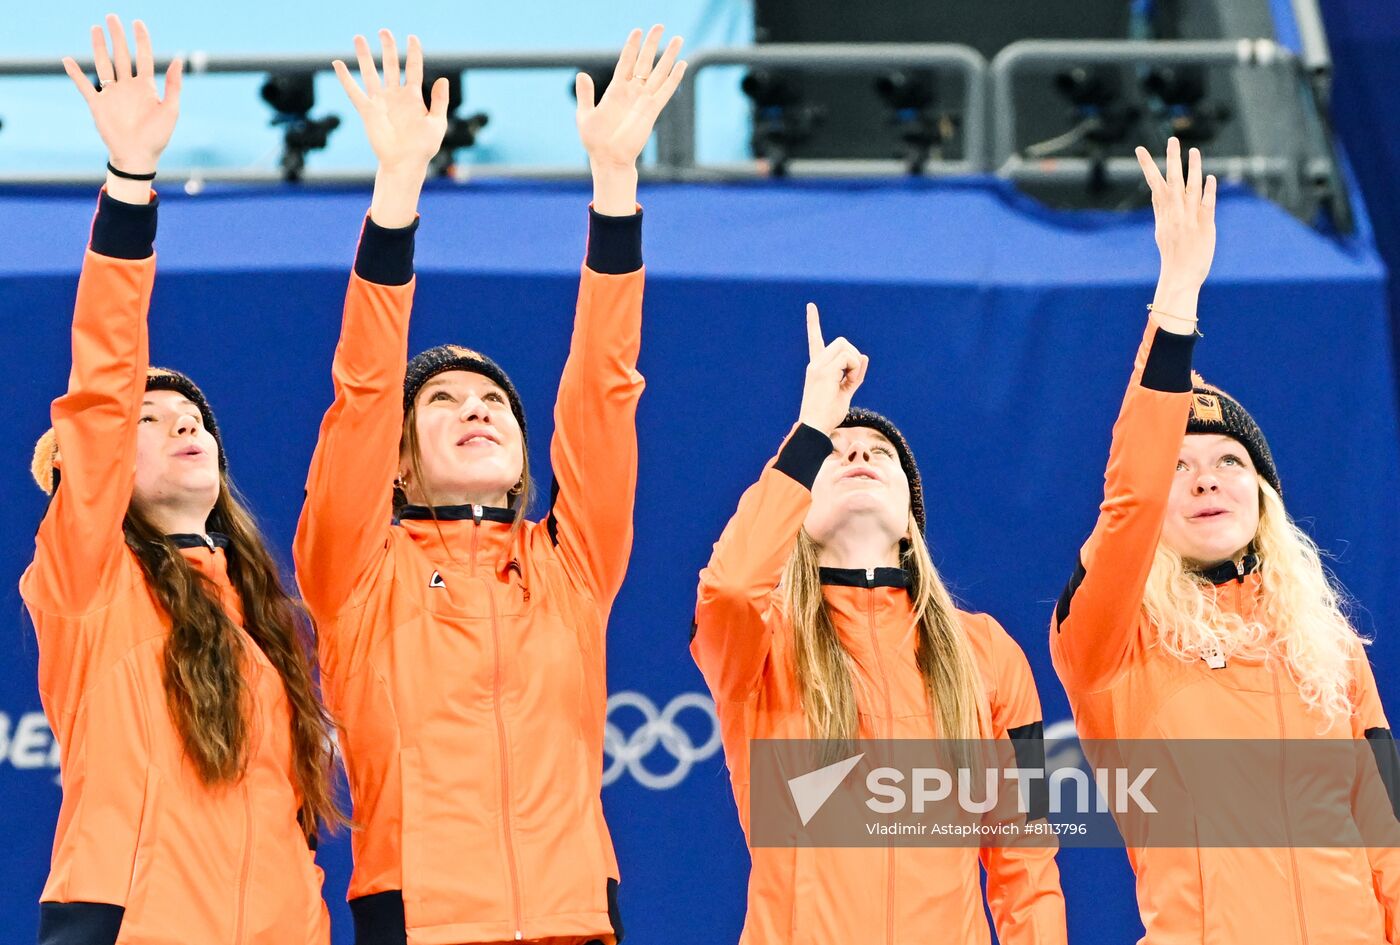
46 462
860 417
1214 411
457 358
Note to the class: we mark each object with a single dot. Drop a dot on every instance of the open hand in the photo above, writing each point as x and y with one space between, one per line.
615 130
1185 216
404 132
135 123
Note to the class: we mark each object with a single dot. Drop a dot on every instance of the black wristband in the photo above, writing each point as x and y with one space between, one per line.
802 455
125 176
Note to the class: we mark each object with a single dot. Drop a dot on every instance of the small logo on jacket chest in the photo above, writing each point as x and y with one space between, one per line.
436 580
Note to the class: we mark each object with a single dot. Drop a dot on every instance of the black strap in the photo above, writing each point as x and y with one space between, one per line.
125 176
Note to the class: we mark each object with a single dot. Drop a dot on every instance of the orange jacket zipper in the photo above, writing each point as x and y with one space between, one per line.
889 734
1283 798
502 745
240 919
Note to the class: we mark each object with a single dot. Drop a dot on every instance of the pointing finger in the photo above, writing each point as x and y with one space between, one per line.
815 345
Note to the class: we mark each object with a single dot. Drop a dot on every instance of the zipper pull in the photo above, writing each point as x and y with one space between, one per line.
519 935
869 577
476 517
1239 571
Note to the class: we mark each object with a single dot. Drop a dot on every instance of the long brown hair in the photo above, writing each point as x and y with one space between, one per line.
205 684
822 664
519 499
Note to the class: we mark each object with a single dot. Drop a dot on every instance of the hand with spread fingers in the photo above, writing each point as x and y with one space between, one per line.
134 121
834 372
404 131
615 129
1184 207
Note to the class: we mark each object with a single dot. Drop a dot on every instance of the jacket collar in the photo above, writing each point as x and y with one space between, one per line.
870 577
211 541
470 535
1225 571
208 555
456 513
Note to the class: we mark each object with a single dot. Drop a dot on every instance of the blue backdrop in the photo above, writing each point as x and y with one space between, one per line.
1000 338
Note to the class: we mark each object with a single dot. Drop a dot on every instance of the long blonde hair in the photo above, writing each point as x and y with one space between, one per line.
823 666
1300 619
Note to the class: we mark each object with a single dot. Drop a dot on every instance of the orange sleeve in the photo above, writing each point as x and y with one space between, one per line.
1097 615
593 454
1380 787
1023 882
79 542
349 499
733 619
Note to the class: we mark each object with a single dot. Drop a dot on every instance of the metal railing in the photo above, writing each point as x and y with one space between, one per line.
675 131
1007 159
201 63
676 140
1286 151
1305 161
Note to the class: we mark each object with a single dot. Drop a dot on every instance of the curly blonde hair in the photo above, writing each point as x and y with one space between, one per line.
1300 619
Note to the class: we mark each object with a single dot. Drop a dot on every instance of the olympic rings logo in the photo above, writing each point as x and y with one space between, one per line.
659 728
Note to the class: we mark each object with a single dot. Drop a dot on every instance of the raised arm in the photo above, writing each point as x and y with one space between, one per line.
594 451
733 619
345 520
1098 613
1023 881
94 423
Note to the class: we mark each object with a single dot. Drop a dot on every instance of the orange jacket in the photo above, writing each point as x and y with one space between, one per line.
1121 686
144 852
464 658
743 644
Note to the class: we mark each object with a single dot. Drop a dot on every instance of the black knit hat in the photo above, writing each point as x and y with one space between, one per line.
1214 411
457 358
46 465
860 417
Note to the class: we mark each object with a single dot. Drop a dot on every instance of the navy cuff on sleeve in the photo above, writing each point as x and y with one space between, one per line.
614 243
1168 367
803 454
1388 762
124 230
385 256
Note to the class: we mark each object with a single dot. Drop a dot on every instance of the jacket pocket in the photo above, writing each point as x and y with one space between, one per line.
137 926
453 862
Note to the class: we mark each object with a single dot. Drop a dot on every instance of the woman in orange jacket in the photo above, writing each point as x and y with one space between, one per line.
173 666
821 615
462 645
1200 611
